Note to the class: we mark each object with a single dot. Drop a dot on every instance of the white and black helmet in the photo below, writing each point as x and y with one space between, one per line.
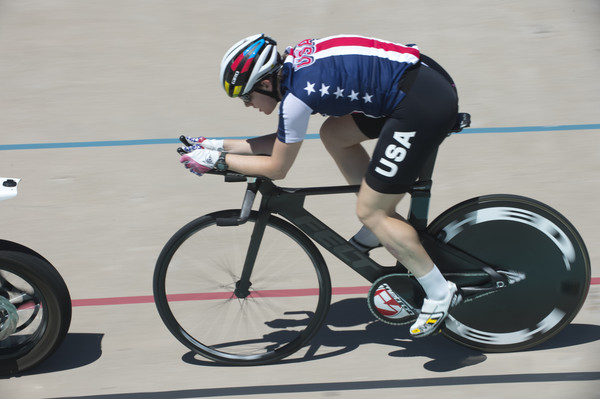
248 62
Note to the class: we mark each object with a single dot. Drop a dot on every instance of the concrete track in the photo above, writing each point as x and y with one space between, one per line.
99 72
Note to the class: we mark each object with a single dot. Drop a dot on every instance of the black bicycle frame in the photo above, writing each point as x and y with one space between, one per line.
289 203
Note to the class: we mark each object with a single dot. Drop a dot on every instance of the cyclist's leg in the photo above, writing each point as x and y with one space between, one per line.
377 211
409 136
342 138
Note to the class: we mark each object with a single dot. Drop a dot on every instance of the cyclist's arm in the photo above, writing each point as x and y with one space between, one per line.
262 145
274 166
293 123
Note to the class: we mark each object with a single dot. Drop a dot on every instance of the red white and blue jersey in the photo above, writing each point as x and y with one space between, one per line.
340 75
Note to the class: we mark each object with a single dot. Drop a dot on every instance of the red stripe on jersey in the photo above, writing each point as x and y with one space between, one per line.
365 42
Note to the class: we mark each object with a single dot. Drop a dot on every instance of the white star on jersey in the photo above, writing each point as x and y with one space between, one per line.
310 88
353 96
324 90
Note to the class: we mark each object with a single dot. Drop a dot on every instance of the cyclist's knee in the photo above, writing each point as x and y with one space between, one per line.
373 208
341 132
330 133
368 215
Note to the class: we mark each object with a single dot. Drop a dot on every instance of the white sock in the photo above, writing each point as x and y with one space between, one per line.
366 237
434 284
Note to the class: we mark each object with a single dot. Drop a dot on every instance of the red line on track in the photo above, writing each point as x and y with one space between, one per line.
213 295
130 300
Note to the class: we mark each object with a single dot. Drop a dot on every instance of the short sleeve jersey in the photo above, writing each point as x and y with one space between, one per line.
339 75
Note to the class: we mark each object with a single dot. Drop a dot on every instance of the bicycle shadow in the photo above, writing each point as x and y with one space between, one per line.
77 350
350 324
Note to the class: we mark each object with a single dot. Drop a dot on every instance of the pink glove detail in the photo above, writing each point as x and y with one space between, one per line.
200 161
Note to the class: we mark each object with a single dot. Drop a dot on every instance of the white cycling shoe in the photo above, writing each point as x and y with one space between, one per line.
433 313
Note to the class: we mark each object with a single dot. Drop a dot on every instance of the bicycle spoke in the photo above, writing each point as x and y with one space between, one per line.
286 303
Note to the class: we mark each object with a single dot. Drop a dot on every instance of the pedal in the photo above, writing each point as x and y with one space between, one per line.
395 299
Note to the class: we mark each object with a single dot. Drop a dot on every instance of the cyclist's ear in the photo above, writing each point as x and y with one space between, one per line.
265 84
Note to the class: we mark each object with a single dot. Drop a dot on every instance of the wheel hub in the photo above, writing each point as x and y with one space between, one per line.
8 318
242 290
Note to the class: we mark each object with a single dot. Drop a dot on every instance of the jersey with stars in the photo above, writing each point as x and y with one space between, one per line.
340 75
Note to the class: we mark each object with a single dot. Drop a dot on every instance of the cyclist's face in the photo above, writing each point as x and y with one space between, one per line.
261 101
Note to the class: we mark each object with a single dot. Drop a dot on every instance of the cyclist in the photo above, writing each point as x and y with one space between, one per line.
368 89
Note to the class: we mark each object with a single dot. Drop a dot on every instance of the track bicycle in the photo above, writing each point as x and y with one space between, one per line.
35 304
250 287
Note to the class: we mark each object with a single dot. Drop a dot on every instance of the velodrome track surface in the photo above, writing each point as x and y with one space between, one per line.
93 95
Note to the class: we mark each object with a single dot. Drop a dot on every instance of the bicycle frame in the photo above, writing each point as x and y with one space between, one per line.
289 203
522 241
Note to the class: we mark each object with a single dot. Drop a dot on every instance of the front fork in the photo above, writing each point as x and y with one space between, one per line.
242 286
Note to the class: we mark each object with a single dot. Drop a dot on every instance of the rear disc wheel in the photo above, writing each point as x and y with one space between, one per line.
547 262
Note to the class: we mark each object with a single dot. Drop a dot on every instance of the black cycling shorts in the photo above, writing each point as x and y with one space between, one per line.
412 132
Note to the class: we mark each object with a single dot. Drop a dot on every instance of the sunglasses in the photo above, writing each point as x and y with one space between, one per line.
246 98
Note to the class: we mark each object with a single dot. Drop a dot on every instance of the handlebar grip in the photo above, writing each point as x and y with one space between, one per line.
184 140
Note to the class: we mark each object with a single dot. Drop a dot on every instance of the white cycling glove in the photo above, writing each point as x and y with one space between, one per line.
200 161
195 143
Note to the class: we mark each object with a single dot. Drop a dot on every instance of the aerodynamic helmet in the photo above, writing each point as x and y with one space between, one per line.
248 62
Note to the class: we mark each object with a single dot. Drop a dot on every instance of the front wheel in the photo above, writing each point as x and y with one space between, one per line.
542 254
35 311
195 283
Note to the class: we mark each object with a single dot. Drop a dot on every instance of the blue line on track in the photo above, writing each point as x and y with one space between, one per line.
120 143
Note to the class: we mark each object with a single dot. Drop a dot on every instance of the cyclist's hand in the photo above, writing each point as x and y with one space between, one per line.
200 161
195 143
